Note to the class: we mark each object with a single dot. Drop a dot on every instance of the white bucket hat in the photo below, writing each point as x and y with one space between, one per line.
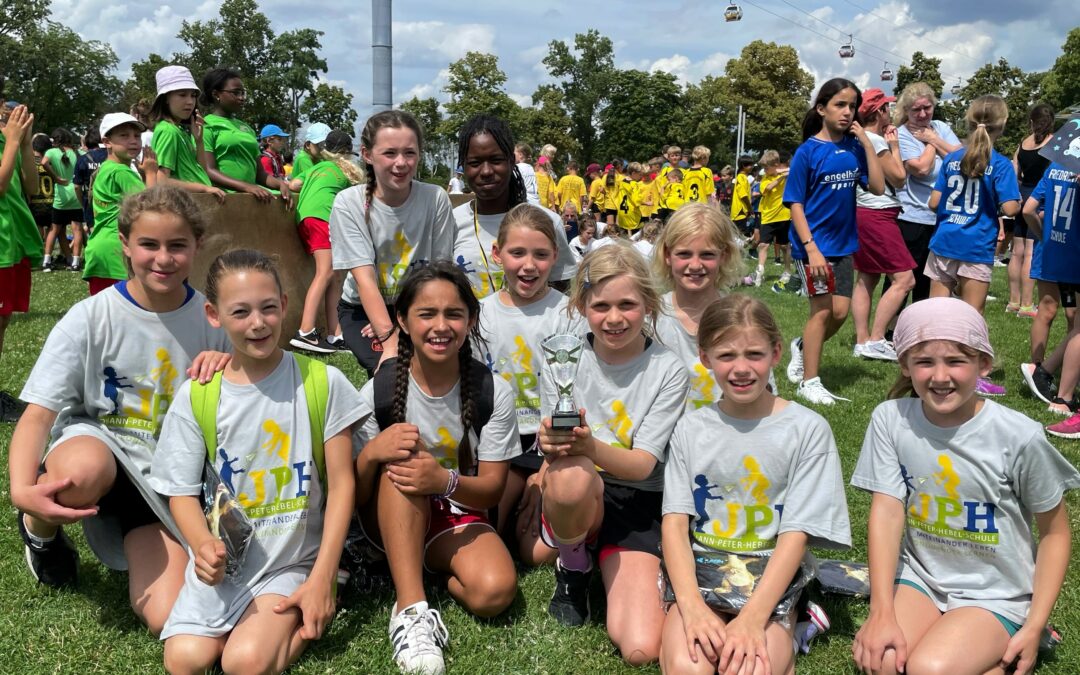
174 78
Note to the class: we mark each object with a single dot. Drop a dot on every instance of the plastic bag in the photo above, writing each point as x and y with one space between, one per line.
842 577
226 519
726 581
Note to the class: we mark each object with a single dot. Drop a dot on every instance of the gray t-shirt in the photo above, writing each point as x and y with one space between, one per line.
669 330
398 237
472 249
915 195
512 351
969 493
264 457
630 405
867 199
745 482
528 176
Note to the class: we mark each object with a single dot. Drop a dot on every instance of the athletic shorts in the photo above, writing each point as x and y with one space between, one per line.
66 216
948 271
124 502
530 458
611 213
42 215
353 319
775 233
315 234
745 226
631 522
15 288
881 245
99 284
1066 292
1018 227
840 280
1010 626
445 517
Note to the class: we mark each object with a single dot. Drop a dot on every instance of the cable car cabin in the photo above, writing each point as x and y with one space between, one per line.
956 89
847 51
886 75
733 13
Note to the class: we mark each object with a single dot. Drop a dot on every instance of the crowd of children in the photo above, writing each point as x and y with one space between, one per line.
451 458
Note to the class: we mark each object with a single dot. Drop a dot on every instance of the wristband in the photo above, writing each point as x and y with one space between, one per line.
381 339
451 483
808 241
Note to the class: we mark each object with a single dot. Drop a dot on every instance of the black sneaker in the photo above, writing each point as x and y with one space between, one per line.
55 563
1039 381
61 262
570 601
337 342
312 342
1073 405
11 408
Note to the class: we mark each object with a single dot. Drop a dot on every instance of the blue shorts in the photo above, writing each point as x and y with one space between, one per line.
1010 626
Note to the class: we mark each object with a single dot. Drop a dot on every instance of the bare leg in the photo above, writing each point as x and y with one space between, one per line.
890 303
635 616
861 299
1027 284
263 640
156 563
316 292
974 292
1049 301
90 465
192 654
482 575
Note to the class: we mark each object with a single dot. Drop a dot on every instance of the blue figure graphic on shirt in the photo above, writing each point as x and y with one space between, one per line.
227 469
907 479
113 385
701 498
464 265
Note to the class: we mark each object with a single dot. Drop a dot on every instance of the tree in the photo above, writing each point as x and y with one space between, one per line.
440 150
585 76
1017 88
702 119
922 69
637 119
142 85
476 86
295 55
18 16
773 89
547 121
332 106
1062 84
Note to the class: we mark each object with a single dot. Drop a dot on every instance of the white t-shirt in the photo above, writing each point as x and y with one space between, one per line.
528 176
579 248
630 405
417 232
915 195
600 242
472 249
969 495
264 457
746 482
513 336
867 199
645 248
457 186
669 330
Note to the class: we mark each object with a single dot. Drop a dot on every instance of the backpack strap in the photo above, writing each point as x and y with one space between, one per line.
384 392
316 392
204 405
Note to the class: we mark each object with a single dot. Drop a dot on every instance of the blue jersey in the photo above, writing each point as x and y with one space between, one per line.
1057 254
967 212
822 178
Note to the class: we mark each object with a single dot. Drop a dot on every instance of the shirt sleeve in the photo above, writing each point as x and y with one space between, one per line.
878 468
58 377
946 132
1004 178
798 178
349 234
177 467
815 501
654 432
910 147
166 147
678 495
1040 475
499 439
342 405
444 228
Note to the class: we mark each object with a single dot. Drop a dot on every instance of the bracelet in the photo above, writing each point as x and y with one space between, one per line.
808 241
451 484
381 339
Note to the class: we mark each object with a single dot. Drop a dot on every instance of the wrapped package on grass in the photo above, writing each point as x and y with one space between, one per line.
727 580
226 519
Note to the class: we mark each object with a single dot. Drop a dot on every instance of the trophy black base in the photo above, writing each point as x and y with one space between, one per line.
565 421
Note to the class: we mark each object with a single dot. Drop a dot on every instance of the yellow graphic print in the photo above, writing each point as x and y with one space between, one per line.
394 259
166 374
278 441
522 356
153 402
755 481
947 477
620 424
702 385
445 451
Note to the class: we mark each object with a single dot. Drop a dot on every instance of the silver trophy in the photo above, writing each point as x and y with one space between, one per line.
563 354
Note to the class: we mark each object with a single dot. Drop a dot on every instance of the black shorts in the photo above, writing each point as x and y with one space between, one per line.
745 226
775 232
1018 227
42 215
353 319
841 280
530 459
1066 292
126 504
631 519
611 213
66 216
664 214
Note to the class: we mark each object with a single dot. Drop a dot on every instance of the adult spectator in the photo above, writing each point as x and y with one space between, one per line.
1030 167
457 184
924 142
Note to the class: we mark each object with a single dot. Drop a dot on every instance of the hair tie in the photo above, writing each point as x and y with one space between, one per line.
980 125
586 284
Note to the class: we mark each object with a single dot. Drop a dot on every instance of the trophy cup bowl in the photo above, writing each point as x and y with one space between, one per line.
563 354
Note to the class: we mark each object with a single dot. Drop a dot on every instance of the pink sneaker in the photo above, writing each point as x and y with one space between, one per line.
987 388
1070 428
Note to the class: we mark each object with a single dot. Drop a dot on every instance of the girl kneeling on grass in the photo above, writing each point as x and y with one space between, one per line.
430 467
965 475
299 503
770 486
108 372
602 488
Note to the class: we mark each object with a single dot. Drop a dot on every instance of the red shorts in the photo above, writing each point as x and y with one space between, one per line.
15 288
447 517
98 284
315 234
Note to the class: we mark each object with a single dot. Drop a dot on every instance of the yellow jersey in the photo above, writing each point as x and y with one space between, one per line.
545 189
673 196
740 198
698 184
571 188
771 204
649 193
598 192
611 194
628 211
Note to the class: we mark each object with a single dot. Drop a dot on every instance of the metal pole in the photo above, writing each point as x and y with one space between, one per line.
738 135
382 75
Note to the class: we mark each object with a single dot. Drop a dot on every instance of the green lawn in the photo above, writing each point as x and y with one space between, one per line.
93 630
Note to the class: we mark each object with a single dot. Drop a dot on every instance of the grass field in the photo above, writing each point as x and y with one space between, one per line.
92 629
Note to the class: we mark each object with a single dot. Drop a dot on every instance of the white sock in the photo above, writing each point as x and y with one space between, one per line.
34 539
46 260
74 261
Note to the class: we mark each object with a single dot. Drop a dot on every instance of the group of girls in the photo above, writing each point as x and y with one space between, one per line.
454 454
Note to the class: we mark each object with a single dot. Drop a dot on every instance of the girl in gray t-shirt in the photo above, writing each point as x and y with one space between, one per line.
602 480
299 504
426 478
956 482
752 475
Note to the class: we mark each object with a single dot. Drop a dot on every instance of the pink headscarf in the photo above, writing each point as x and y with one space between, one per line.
942 319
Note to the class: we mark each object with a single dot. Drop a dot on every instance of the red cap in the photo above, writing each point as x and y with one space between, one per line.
592 168
872 100
609 167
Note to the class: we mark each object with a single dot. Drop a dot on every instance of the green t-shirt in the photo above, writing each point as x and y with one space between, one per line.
19 236
301 163
322 182
175 150
63 195
234 146
104 255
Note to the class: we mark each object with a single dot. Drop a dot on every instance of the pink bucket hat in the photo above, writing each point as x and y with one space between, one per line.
941 319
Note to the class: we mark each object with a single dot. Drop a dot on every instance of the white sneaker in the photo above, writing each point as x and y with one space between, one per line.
879 350
759 276
785 277
419 636
815 392
859 350
794 366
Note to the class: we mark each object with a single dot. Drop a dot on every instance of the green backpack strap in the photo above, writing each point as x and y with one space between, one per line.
316 391
204 405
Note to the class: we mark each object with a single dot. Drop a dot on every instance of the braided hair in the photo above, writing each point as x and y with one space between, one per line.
394 119
500 132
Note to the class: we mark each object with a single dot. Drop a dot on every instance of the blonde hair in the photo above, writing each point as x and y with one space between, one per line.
614 260
735 312
651 230
548 151
691 220
354 173
673 148
913 92
769 158
530 217
986 117
635 167
700 154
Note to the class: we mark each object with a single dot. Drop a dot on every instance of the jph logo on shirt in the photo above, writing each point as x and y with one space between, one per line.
948 515
748 517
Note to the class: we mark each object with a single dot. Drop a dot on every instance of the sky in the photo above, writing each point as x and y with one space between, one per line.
687 38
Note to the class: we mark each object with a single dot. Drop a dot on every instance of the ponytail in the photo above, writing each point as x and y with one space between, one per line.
986 119
977 156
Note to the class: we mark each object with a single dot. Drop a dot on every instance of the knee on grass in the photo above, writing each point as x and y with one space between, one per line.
636 649
187 654
244 657
490 593
91 479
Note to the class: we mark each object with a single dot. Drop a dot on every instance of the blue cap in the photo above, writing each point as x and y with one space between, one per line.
271 130
12 104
